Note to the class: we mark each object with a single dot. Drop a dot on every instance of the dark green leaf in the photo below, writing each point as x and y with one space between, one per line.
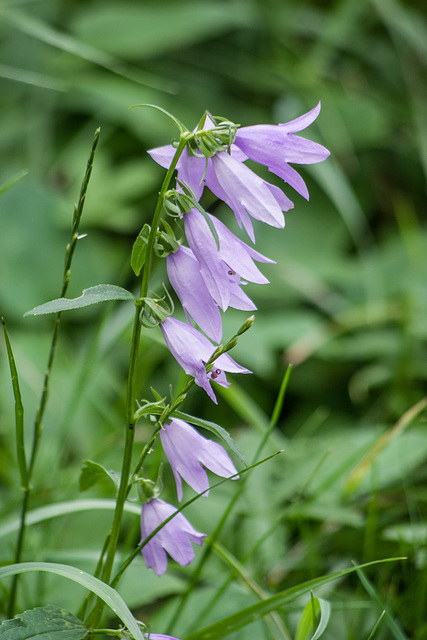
92 472
139 250
43 623
93 295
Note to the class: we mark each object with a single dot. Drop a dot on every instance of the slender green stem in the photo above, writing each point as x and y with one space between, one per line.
37 427
125 483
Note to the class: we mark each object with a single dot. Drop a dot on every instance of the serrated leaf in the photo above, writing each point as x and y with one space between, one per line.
93 295
99 588
315 617
92 472
43 623
139 250
216 429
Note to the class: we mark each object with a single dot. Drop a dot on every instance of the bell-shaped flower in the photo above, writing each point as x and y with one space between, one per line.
197 302
175 537
223 269
190 454
192 350
274 146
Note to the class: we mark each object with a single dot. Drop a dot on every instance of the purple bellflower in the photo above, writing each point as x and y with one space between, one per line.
223 269
175 537
235 184
275 146
186 278
189 453
191 349
158 636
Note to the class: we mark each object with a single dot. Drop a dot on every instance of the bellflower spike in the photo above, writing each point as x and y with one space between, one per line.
223 269
185 277
191 349
189 453
175 537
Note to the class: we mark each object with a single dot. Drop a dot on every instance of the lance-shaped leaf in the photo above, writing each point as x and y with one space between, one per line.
93 295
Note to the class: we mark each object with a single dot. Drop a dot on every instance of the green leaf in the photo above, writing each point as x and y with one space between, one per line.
256 611
93 295
315 617
216 429
43 623
139 250
99 588
92 472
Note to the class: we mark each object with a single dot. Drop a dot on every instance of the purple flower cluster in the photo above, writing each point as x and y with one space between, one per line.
208 276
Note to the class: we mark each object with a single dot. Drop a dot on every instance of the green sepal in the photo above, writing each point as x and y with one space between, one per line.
139 250
165 244
50 623
92 472
182 128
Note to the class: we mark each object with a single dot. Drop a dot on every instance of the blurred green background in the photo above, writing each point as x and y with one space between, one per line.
347 304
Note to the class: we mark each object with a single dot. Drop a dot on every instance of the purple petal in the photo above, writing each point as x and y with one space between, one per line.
238 255
302 151
289 175
246 190
204 247
302 122
163 155
185 277
187 451
174 537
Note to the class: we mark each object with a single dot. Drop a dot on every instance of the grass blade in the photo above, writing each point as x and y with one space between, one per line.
19 414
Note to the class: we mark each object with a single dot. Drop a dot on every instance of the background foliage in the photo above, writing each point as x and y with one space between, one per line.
347 303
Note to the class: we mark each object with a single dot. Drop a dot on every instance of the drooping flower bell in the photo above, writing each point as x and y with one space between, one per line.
223 267
238 186
174 538
197 302
190 454
192 350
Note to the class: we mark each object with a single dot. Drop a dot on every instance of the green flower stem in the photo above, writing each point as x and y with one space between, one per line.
37 427
125 484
